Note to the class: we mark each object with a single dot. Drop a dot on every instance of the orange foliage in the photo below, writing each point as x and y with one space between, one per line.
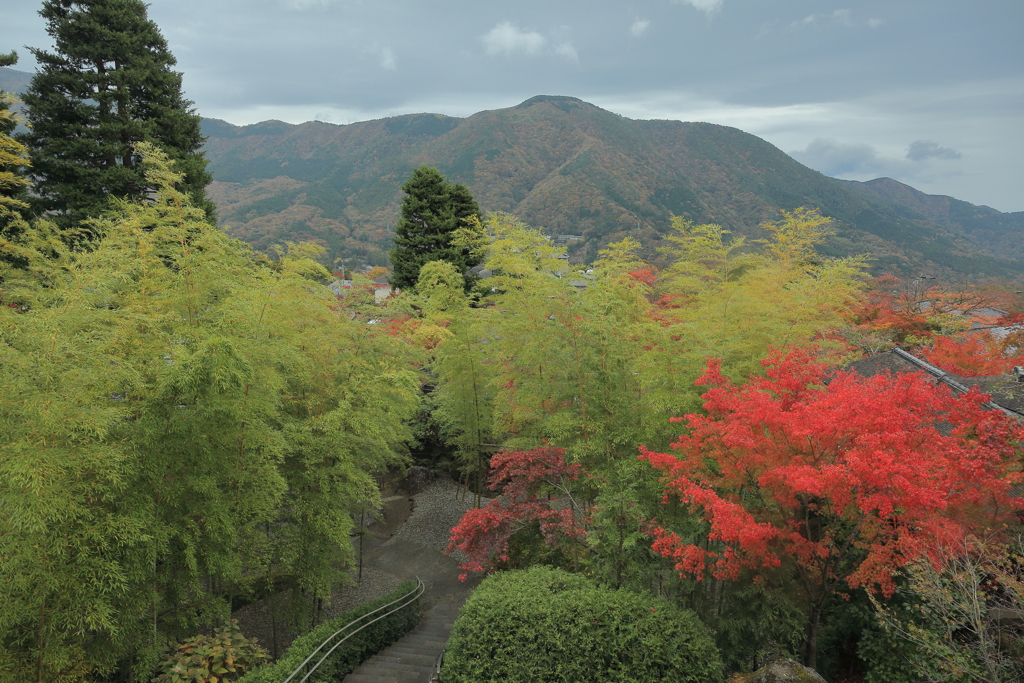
971 356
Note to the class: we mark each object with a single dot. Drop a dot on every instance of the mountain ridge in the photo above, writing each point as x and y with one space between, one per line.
567 167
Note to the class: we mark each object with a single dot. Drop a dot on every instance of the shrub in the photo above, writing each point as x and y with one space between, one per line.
545 624
352 652
206 659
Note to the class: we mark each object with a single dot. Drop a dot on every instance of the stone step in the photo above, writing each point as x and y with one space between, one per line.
407 652
378 666
386 678
415 662
424 638
402 657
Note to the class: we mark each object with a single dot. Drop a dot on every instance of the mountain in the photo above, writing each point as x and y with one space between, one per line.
571 168
14 81
993 231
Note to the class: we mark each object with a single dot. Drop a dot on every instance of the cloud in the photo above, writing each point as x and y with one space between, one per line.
508 39
568 51
837 160
303 4
875 23
708 7
840 16
387 59
639 27
920 150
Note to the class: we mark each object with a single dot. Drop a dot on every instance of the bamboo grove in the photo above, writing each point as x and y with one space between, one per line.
182 421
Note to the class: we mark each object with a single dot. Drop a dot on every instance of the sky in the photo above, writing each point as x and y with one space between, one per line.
929 92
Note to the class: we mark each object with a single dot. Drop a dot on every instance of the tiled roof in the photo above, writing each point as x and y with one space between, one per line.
1007 394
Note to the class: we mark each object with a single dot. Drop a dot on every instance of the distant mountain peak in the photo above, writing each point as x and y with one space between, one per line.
563 102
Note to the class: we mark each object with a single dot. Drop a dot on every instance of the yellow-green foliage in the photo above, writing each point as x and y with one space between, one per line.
176 414
12 160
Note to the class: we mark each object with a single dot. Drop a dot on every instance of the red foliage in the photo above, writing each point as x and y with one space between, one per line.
880 314
645 276
522 477
971 356
1010 319
855 474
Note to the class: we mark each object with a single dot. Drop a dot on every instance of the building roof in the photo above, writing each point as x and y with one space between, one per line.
1007 394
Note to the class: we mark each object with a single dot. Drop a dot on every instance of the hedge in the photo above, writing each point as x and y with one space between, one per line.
545 624
352 652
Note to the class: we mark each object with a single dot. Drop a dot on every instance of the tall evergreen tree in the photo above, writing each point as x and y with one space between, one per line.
433 211
108 85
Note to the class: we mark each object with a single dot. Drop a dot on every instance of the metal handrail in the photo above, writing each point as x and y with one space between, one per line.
418 590
941 375
435 677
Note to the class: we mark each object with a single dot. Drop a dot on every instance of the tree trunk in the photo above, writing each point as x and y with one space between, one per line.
810 648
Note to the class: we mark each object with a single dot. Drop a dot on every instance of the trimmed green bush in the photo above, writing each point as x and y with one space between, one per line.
352 652
545 624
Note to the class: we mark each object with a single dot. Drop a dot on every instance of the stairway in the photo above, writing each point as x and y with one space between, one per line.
411 659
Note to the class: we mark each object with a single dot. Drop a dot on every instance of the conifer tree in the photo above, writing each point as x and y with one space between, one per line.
433 211
108 85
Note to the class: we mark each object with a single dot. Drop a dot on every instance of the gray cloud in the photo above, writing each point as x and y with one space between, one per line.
709 7
639 27
567 50
856 161
920 150
508 39
840 16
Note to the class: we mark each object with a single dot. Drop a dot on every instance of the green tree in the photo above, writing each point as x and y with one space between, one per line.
177 417
436 216
107 85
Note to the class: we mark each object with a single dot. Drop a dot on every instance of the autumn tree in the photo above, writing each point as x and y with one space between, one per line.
912 312
973 355
525 481
107 85
433 211
840 482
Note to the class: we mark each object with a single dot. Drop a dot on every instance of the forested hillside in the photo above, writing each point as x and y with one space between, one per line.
569 168
997 232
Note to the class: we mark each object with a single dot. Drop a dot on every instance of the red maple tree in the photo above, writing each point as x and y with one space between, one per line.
972 356
526 480
844 483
